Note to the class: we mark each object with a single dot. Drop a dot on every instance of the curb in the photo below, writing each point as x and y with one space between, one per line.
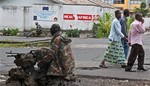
105 77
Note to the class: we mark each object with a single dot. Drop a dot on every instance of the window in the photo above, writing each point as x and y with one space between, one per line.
45 8
107 1
118 1
34 17
136 1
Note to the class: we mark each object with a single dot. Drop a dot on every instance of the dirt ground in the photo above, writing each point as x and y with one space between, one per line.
112 82
97 81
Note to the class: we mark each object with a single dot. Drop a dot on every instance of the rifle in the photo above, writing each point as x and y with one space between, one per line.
16 55
27 64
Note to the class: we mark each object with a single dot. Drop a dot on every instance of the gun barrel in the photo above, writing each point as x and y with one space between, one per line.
16 55
11 55
9 52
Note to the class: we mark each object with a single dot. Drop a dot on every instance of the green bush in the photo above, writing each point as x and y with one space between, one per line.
130 20
10 31
102 29
73 33
142 9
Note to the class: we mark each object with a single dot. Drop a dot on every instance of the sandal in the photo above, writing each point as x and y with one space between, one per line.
103 66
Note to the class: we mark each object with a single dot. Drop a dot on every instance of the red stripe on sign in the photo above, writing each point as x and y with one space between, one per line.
84 17
69 17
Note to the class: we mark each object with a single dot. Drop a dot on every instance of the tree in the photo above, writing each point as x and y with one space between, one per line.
142 9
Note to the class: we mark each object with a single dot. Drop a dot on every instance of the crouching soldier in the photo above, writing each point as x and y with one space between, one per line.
60 58
55 65
37 32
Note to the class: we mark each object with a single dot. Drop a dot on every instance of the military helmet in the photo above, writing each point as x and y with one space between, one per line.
54 28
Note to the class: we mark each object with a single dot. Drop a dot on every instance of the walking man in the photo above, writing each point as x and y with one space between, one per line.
123 22
135 40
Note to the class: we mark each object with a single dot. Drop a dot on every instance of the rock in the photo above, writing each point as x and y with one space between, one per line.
2 78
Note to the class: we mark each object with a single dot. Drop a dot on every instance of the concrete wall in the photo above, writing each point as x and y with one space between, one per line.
88 14
20 14
108 10
15 16
28 18
46 17
24 2
11 16
147 22
0 16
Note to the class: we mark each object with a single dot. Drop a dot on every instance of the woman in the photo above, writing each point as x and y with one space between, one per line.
114 52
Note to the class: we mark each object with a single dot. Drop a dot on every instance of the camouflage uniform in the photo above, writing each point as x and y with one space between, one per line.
55 65
36 32
60 56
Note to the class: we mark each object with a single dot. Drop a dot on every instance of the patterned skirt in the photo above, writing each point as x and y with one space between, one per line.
114 53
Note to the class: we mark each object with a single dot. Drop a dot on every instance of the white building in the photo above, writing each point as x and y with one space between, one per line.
72 14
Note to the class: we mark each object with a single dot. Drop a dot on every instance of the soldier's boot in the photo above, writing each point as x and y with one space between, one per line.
41 81
11 82
30 81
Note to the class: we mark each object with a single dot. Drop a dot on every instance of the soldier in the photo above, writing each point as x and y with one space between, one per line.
55 65
36 32
62 61
60 58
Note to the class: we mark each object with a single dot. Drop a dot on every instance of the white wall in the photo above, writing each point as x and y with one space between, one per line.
46 17
109 10
24 2
0 16
19 13
74 10
12 16
16 16
16 2
28 18
147 22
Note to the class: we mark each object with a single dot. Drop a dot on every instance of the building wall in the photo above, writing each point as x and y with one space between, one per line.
28 19
21 15
132 6
147 22
15 17
18 13
46 14
16 2
124 6
11 16
80 17
24 2
0 15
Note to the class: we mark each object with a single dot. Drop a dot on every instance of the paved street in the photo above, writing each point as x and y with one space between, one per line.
87 53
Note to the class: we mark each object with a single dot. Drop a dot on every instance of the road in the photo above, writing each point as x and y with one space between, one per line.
88 53
84 50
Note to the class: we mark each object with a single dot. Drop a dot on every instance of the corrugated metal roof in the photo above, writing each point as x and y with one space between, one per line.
78 2
87 2
99 2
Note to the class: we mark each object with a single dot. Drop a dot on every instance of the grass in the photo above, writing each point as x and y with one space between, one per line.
17 45
7 45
